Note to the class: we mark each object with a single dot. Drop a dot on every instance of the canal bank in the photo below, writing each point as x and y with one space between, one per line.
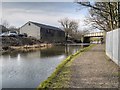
25 48
61 76
91 69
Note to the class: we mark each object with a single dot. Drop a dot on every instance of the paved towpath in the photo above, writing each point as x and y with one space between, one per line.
93 69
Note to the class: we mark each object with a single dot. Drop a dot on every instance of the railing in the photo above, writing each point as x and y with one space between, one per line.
113 45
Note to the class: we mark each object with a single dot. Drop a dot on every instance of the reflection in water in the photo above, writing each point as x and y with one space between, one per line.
18 57
28 69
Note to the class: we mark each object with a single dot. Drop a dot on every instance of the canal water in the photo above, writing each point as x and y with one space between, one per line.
29 69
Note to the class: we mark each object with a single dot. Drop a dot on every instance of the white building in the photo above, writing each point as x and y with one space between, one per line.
43 32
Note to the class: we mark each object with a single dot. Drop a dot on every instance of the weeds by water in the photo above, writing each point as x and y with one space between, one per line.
60 78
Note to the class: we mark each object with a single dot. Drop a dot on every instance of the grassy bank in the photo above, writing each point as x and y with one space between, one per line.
60 78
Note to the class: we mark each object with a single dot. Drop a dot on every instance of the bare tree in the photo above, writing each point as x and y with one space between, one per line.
5 23
104 15
69 26
77 35
8 27
13 28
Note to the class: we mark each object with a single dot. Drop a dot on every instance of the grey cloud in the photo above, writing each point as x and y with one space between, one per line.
48 13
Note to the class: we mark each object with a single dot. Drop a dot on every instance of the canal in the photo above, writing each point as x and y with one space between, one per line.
29 69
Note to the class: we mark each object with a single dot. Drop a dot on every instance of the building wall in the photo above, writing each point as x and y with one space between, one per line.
44 34
31 30
3 29
113 45
49 35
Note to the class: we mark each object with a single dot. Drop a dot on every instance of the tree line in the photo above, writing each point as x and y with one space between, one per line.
104 15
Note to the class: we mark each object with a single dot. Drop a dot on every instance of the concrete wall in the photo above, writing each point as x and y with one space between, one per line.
113 45
31 30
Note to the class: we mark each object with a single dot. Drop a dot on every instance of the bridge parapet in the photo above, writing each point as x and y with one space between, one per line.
95 34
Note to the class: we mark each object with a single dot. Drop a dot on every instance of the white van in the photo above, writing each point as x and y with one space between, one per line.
12 33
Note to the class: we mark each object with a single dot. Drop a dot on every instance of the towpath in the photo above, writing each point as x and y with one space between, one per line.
93 69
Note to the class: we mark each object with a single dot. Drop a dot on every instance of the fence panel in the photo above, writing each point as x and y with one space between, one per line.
113 45
119 47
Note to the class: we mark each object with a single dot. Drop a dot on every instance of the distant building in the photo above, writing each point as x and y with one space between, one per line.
43 32
3 29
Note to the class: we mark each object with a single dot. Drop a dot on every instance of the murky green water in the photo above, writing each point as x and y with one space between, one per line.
28 70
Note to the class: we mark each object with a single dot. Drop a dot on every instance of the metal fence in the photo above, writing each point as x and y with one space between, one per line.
113 45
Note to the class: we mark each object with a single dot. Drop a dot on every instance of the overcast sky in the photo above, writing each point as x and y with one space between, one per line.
18 13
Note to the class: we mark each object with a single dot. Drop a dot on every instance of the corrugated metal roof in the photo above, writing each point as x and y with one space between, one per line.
46 26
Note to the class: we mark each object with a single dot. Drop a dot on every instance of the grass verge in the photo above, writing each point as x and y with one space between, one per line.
61 76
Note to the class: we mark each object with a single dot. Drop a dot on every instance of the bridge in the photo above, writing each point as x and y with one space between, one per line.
94 34
88 36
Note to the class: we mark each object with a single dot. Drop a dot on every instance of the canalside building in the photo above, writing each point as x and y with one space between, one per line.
45 33
3 29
